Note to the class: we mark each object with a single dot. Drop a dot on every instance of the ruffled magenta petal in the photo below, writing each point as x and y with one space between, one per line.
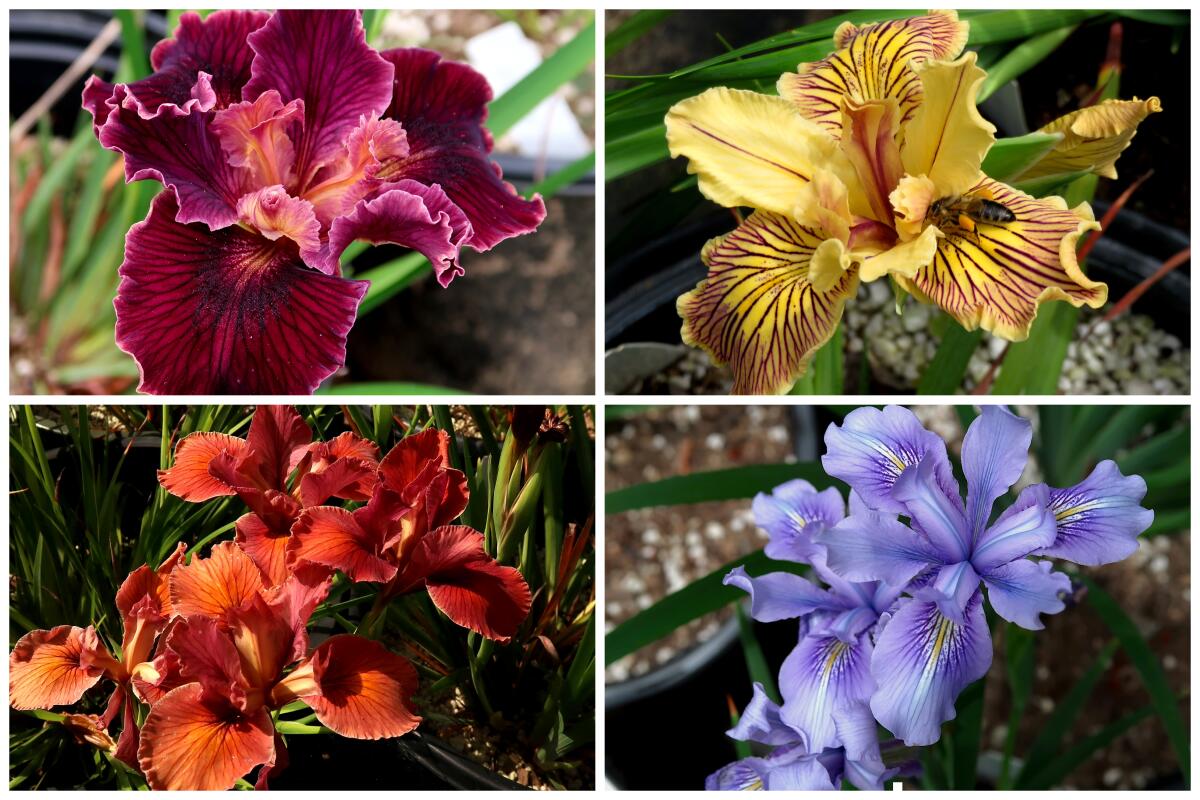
177 147
442 106
227 312
215 46
323 59
409 214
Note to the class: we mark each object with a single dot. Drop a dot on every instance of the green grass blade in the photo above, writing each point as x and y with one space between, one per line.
1019 660
1022 58
565 64
737 483
946 371
756 662
968 730
698 598
1053 773
1011 157
1049 741
1165 704
1033 366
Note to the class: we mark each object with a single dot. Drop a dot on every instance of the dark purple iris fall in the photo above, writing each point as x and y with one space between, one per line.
282 138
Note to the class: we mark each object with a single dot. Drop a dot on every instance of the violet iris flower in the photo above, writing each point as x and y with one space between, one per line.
792 764
829 668
938 642
280 140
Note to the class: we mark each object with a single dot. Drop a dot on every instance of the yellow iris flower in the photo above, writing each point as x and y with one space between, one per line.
868 164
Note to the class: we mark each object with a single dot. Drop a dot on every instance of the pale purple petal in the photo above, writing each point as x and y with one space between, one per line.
760 722
821 674
1022 590
786 768
994 453
922 662
409 214
870 547
782 595
1025 526
1099 520
323 59
792 514
871 448
934 510
859 734
952 590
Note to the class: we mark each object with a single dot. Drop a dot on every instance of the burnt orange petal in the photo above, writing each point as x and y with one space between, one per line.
189 477
207 655
333 537
412 457
276 433
358 688
293 601
265 546
469 586
54 667
345 478
211 586
195 741
347 445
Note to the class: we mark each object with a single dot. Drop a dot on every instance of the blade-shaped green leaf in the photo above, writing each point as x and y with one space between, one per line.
725 484
1165 704
698 598
948 368
1011 157
632 29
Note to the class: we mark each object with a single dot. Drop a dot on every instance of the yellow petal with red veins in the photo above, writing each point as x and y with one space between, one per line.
947 138
189 477
758 309
996 276
196 741
1093 137
214 585
747 148
55 667
873 62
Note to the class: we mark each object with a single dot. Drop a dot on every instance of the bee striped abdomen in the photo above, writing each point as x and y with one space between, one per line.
991 211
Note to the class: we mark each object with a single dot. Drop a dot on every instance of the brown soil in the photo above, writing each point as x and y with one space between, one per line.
650 553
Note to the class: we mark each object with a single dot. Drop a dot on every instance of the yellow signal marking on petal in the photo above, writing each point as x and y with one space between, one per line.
1077 509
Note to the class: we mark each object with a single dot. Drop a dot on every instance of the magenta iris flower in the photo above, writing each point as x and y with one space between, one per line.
280 139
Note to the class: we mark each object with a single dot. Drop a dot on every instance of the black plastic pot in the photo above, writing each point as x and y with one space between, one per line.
683 701
411 762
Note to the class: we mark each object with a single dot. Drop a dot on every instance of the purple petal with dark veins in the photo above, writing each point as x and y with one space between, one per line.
820 675
922 662
792 514
228 311
1099 519
1022 590
871 448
